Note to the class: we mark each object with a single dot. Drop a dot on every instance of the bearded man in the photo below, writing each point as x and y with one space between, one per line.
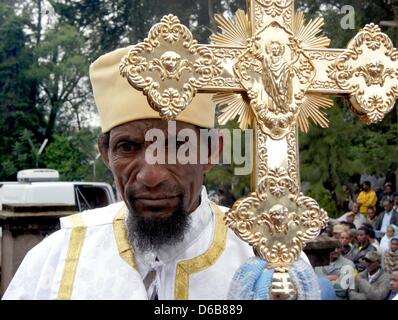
165 240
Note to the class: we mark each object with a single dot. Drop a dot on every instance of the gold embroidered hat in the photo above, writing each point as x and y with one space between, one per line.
118 102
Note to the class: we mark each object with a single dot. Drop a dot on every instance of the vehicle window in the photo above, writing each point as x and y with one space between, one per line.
91 197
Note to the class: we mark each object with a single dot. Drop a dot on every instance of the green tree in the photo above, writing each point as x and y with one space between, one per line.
61 71
19 117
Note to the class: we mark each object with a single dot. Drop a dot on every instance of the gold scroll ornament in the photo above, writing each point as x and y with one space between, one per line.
273 71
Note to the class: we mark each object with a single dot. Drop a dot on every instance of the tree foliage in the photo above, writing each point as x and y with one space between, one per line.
18 115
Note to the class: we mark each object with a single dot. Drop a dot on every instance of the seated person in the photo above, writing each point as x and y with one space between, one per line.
364 246
373 282
390 258
347 249
354 215
387 217
372 238
338 269
372 217
385 242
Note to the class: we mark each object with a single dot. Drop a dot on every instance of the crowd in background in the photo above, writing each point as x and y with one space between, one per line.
365 266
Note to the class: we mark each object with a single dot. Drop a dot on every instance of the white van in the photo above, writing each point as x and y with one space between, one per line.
41 187
30 209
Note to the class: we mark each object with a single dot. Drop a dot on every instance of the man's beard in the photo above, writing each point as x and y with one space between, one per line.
150 234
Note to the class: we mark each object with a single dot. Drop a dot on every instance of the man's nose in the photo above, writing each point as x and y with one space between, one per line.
151 175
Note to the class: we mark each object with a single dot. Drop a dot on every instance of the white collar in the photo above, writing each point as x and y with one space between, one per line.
200 218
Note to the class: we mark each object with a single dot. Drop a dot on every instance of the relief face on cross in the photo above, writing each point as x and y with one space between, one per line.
275 73
170 65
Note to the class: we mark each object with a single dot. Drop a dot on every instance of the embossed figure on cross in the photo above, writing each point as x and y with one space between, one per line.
275 72
277 77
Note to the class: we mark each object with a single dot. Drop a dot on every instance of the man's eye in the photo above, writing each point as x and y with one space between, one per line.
128 146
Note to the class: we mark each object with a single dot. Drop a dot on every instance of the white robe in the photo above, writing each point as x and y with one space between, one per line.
97 262
90 258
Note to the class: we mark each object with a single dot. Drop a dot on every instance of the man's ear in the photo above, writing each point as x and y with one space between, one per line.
214 152
103 147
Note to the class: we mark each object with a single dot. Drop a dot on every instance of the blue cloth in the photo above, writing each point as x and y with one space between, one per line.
253 280
327 289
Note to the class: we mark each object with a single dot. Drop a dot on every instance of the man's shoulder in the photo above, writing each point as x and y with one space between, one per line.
93 217
371 247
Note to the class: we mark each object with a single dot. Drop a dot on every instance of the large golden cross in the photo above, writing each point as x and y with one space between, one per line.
274 72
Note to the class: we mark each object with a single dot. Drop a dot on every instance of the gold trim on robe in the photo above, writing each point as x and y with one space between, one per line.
124 247
204 261
76 241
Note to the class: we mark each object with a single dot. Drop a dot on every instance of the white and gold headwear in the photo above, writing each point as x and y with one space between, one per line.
118 102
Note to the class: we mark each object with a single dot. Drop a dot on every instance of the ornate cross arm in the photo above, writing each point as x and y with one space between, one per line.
366 73
275 72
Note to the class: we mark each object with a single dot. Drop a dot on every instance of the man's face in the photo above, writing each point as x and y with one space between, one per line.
372 266
362 237
394 245
371 213
365 187
387 189
394 281
351 218
355 208
153 191
390 232
345 239
387 206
